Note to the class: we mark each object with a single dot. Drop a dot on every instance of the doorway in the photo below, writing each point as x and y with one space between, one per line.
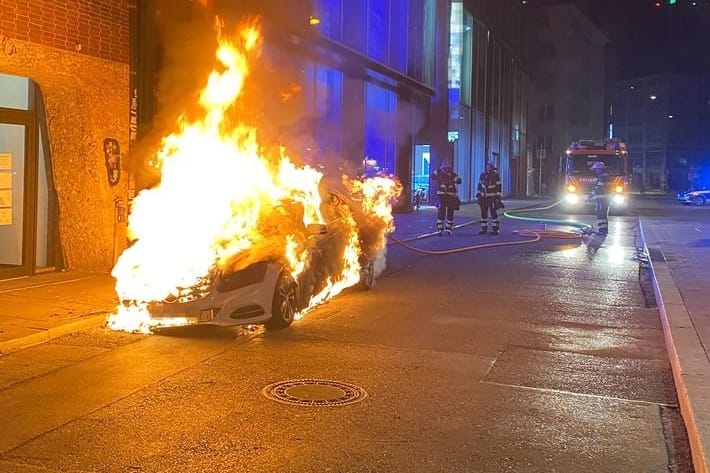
420 172
28 210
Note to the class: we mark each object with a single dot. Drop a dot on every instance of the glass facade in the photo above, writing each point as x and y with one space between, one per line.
487 93
370 114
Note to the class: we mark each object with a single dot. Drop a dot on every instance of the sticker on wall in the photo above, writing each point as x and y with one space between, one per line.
5 198
5 162
5 180
112 157
5 216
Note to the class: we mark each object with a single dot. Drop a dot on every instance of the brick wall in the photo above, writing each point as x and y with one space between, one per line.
98 27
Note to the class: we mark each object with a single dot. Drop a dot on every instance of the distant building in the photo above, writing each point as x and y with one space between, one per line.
570 84
664 120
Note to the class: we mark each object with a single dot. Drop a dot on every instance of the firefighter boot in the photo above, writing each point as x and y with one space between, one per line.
449 227
496 227
484 227
440 227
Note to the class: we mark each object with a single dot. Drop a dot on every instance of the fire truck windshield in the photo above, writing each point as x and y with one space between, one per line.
582 164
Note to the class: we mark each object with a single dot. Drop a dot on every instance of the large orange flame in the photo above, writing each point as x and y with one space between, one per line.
220 203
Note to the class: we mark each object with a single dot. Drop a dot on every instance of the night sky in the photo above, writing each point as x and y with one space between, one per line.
646 39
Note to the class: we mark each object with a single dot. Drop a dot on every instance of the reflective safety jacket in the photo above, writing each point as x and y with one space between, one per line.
602 186
447 180
489 185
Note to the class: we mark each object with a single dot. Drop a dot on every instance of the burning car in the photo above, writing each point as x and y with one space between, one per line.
269 291
235 231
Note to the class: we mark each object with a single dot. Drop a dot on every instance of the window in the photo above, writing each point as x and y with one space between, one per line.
398 35
330 14
415 26
380 126
355 28
329 105
378 30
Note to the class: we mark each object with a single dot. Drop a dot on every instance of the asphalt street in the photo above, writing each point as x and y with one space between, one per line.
541 357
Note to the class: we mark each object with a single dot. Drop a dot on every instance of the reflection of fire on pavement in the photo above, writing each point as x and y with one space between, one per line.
221 204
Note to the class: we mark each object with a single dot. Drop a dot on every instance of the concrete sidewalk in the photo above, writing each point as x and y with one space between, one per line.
679 257
40 308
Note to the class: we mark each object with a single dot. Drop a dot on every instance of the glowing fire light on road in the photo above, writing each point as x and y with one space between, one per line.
218 199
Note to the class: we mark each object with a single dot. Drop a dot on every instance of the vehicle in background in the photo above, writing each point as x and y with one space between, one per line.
579 178
693 196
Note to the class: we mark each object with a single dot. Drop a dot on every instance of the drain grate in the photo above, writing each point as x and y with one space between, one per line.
314 392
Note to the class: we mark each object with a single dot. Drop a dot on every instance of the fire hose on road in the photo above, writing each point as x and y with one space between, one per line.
533 235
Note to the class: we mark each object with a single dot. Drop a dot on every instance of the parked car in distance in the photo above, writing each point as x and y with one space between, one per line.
693 197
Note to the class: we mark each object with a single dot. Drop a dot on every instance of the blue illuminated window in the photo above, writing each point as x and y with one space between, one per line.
378 30
330 14
380 126
355 26
415 54
329 106
399 15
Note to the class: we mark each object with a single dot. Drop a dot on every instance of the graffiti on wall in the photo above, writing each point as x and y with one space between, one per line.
112 159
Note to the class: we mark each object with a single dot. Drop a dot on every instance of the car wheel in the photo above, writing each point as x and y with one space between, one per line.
367 275
699 200
285 302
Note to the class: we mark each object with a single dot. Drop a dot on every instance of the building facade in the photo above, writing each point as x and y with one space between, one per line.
570 89
489 88
64 121
407 83
664 119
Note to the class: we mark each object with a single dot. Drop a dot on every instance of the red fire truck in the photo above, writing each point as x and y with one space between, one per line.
579 178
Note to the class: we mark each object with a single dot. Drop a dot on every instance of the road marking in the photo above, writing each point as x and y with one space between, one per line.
572 393
32 286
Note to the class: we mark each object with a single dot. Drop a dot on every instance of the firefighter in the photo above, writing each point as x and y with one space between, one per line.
489 198
449 201
602 197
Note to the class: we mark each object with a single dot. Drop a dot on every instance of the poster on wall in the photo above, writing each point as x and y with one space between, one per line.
5 216
5 189
112 158
5 180
5 162
5 198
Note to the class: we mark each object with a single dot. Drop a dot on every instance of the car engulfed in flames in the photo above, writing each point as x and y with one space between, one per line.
269 291
235 234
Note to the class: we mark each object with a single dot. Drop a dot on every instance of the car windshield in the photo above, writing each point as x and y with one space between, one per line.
582 163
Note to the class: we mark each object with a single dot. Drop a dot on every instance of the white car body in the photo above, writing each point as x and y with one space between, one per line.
250 304
695 197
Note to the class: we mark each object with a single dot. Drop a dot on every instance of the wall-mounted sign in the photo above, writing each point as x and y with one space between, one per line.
112 158
5 216
5 180
6 198
5 162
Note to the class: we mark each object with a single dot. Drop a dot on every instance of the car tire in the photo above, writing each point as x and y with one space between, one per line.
367 276
699 200
284 305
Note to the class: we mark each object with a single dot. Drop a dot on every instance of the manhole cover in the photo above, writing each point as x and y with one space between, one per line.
314 392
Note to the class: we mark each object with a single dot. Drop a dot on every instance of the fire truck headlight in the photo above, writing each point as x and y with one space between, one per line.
618 199
619 189
572 198
571 188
